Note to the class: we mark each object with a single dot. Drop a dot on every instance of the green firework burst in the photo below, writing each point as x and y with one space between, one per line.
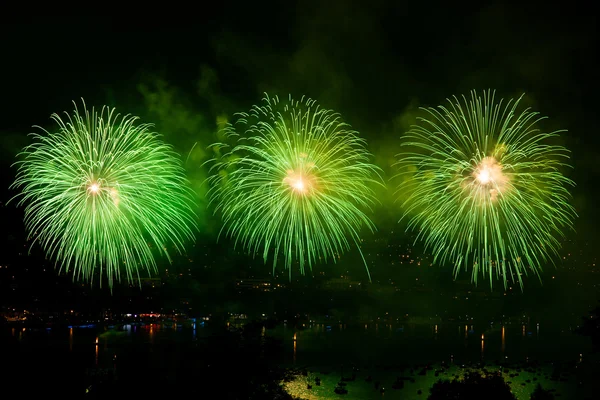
293 179
101 192
484 187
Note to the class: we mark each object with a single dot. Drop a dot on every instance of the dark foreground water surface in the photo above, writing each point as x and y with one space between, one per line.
198 359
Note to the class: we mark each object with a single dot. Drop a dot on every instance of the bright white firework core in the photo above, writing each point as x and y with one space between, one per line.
489 171
299 182
298 185
484 176
94 188
489 176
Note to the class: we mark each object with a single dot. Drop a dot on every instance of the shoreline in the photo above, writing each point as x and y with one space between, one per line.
564 379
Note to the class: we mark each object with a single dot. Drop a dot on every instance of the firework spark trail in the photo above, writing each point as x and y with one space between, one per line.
484 187
100 192
293 179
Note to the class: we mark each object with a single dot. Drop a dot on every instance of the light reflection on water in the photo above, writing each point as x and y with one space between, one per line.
99 347
295 348
503 339
318 344
430 343
482 345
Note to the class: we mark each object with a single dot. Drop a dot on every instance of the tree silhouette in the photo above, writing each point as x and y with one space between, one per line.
591 327
472 386
541 394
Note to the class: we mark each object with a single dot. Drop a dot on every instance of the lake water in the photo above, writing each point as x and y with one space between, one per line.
391 344
65 361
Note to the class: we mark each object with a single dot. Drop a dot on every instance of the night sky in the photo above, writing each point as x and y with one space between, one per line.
375 62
